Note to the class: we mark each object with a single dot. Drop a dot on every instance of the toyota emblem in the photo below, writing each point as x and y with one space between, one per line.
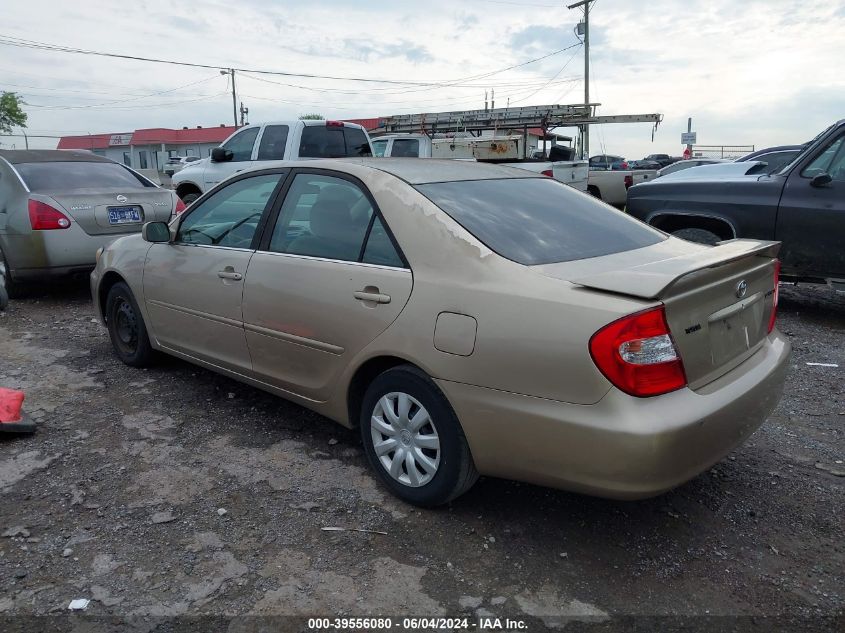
741 289
121 198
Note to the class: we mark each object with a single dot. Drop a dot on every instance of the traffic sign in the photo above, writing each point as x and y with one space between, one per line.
688 138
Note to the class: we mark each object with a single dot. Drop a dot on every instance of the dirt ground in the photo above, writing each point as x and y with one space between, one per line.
176 492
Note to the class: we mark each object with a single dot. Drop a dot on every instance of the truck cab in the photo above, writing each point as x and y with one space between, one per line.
283 140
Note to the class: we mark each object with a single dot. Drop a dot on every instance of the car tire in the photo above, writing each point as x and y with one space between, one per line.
420 453
127 329
700 236
188 198
8 288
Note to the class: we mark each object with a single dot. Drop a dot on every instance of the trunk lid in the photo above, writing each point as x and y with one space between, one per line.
89 208
718 299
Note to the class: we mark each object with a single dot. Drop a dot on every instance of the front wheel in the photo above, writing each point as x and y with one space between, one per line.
413 439
188 198
126 327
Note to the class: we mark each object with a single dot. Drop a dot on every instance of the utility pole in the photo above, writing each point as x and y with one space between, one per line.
231 71
244 114
585 135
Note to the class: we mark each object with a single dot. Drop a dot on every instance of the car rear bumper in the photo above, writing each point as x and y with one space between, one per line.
622 447
54 254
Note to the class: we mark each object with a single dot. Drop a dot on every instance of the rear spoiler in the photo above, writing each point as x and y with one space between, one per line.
650 281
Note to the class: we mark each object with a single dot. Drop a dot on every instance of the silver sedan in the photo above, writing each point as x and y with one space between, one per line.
58 207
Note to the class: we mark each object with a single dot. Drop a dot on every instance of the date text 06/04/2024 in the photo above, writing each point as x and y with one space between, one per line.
491 623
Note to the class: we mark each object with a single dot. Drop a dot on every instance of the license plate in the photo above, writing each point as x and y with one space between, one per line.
124 215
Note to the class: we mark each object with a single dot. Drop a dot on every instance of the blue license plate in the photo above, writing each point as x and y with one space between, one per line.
124 215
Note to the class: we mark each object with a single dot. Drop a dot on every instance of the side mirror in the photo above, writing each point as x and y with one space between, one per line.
221 155
156 232
821 180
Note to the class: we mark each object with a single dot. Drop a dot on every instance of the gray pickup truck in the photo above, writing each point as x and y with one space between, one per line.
801 205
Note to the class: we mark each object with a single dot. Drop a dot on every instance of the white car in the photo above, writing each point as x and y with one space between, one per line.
177 163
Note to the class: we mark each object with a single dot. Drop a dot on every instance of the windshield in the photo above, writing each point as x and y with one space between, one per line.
538 220
68 176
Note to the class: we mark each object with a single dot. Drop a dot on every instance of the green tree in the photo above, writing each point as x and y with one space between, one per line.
312 117
11 113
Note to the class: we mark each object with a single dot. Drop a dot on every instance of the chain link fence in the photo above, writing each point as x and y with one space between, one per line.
721 151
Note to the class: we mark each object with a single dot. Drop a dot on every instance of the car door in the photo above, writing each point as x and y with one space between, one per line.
327 279
193 285
241 145
811 216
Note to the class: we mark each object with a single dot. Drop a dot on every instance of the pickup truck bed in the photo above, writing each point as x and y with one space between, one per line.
611 186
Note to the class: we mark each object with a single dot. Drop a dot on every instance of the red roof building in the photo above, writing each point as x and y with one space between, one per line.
151 147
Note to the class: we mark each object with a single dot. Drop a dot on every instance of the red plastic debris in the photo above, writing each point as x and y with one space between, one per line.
10 405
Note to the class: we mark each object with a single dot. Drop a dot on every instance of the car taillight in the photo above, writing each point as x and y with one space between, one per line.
548 172
43 217
637 354
334 123
774 314
180 206
629 181
624 165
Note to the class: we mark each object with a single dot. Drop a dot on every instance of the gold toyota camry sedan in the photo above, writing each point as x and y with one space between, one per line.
469 319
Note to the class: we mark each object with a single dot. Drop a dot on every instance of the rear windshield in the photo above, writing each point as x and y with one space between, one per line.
320 141
67 176
538 220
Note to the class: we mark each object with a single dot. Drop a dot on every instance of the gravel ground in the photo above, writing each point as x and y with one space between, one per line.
176 492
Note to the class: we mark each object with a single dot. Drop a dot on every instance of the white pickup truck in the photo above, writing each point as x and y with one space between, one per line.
611 185
503 150
283 140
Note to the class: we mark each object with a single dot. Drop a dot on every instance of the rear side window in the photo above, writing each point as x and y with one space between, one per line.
356 142
323 141
273 142
406 147
538 220
69 176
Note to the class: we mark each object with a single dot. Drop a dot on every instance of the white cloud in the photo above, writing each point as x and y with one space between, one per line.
756 72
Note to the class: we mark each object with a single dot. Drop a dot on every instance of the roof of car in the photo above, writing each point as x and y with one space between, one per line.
414 171
770 150
419 171
18 156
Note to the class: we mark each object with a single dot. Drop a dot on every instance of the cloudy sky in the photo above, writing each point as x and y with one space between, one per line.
759 72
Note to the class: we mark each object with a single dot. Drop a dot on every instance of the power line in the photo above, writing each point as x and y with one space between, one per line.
137 98
545 85
135 107
8 40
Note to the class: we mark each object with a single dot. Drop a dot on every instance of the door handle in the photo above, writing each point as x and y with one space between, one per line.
229 274
375 296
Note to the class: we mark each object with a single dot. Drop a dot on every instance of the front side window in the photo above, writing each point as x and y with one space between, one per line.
273 142
241 144
830 161
230 216
379 147
538 220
